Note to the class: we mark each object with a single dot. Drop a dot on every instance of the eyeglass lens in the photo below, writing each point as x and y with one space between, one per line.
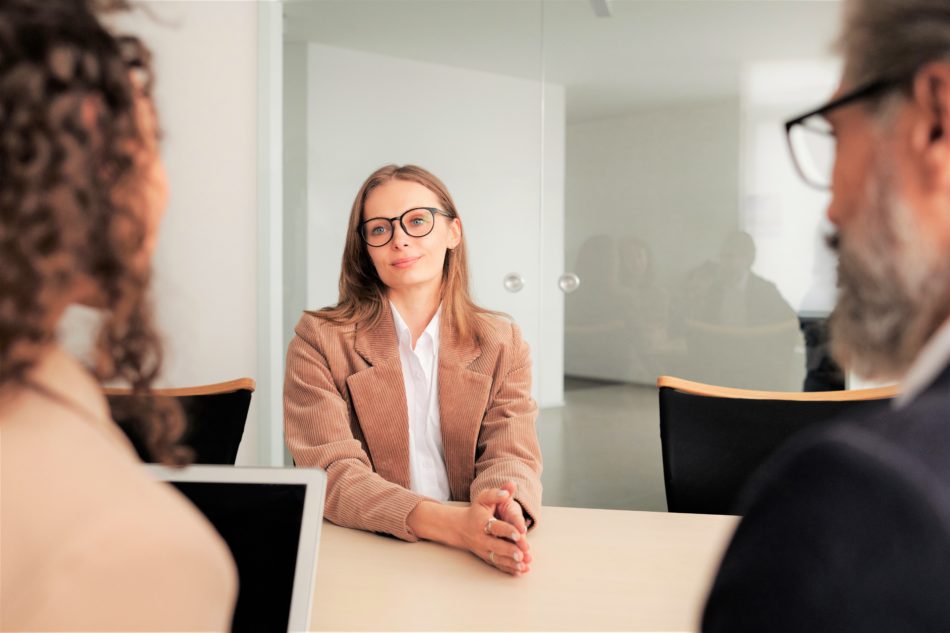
415 222
813 147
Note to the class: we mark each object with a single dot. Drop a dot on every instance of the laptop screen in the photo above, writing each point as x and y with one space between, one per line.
265 524
261 525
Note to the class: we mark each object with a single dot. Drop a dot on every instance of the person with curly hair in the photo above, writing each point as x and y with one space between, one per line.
89 541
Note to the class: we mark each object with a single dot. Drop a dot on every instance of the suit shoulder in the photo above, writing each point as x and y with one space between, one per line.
496 329
851 450
846 506
319 331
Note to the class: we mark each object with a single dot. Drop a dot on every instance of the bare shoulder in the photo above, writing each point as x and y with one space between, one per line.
184 576
104 533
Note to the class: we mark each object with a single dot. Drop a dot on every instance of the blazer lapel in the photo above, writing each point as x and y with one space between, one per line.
463 396
379 398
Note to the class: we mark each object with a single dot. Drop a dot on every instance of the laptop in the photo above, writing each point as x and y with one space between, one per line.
271 519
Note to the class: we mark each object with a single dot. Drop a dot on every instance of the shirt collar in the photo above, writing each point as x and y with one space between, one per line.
931 360
405 335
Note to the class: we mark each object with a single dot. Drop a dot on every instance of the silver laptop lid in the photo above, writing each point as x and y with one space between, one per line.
271 519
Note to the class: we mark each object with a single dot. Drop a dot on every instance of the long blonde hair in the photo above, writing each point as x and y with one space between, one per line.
363 294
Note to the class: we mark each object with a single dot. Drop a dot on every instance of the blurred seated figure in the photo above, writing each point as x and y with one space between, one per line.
740 331
649 303
89 541
613 313
738 297
593 314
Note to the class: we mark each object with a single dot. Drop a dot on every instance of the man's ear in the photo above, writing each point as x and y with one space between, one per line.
930 129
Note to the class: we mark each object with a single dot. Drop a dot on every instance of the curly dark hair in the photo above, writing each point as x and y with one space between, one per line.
71 201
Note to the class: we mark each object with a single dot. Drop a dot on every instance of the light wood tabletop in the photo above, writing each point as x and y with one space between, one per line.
603 570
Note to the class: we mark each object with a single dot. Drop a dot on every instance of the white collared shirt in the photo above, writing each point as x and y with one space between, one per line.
927 366
420 375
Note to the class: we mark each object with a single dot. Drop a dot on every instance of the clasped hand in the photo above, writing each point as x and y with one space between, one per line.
495 530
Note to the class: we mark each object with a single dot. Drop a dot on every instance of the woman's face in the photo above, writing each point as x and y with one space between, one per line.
408 262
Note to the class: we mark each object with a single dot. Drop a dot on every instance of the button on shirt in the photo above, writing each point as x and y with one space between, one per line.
420 375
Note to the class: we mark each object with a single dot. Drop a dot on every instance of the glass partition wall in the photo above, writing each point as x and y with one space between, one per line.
623 182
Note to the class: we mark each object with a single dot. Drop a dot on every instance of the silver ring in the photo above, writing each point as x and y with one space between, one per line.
488 525
491 557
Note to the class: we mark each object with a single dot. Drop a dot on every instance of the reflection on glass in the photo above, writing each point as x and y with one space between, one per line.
739 329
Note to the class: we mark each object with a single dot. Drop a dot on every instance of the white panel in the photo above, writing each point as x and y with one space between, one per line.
551 354
270 365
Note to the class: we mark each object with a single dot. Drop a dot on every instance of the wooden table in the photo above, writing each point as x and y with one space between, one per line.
593 570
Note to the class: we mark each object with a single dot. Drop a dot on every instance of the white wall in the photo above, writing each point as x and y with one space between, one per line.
480 133
550 359
668 175
206 259
295 175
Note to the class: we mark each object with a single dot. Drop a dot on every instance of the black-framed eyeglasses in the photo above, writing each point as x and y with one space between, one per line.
811 140
416 222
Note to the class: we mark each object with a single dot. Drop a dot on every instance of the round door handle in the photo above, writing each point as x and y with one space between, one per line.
513 282
568 283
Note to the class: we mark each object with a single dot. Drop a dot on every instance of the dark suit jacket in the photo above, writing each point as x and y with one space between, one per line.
847 530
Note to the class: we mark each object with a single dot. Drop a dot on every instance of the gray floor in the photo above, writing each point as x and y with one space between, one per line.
602 449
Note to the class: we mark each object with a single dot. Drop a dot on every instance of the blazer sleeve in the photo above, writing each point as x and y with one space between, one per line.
317 429
838 539
507 448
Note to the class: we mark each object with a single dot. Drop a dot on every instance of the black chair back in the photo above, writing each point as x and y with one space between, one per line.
214 420
712 444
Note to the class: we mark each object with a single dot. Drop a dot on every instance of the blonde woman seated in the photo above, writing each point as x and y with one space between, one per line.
407 393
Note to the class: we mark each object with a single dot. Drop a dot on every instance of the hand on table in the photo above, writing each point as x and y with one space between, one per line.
492 527
495 530
511 511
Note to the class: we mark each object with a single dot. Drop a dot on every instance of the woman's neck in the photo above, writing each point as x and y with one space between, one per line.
416 306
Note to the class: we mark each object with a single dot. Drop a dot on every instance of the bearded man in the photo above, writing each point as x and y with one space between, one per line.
849 529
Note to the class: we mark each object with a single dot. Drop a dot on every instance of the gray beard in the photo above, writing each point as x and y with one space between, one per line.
893 287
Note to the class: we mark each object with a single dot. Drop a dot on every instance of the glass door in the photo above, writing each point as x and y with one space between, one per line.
689 246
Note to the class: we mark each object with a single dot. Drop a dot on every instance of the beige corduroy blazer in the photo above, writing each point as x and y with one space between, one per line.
345 411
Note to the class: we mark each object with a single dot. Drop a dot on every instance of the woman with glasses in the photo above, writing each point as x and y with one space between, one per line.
90 542
410 395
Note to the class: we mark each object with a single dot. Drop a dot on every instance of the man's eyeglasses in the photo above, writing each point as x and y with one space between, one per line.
811 140
416 222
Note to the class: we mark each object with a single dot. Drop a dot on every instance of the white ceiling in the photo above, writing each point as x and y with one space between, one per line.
649 52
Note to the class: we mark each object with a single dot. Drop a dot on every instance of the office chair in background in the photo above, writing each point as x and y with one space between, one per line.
714 438
215 416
